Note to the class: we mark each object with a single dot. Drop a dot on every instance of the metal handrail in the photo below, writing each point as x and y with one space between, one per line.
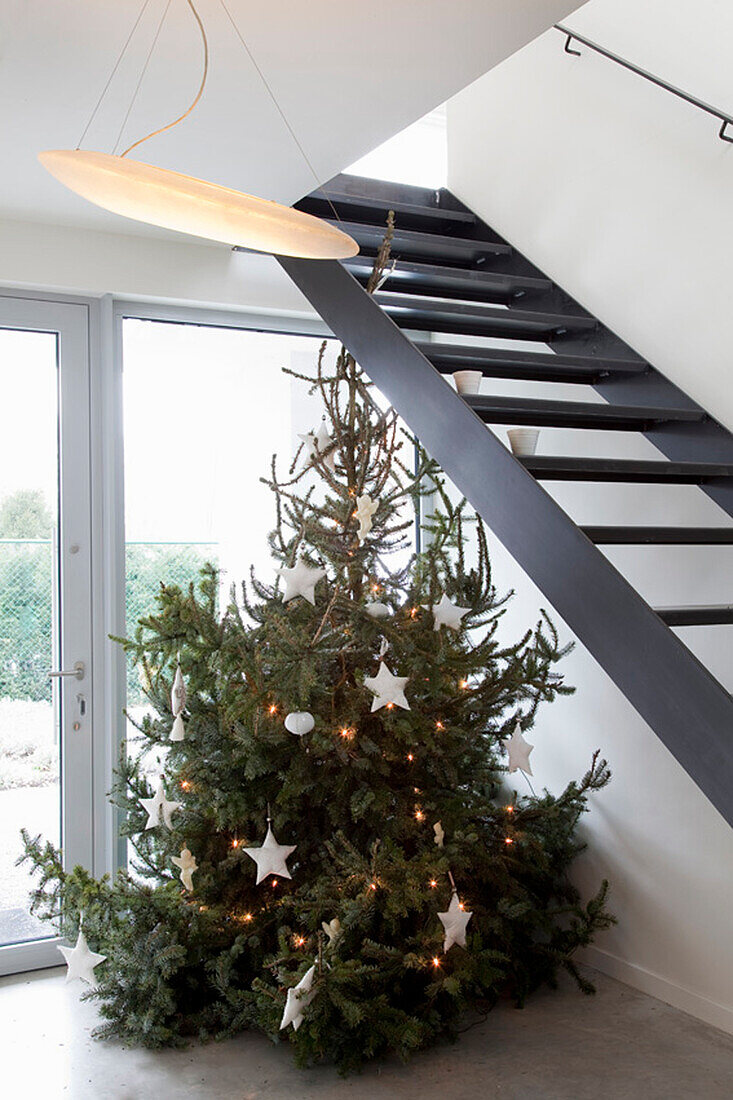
573 36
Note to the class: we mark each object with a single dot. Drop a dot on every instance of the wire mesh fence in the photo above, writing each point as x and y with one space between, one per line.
28 587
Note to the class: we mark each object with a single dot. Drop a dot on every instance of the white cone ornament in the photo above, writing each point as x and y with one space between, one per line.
178 705
299 722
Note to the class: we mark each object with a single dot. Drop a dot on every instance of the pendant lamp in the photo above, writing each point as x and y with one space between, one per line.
171 200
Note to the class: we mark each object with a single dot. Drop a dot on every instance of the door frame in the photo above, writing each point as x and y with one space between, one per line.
70 322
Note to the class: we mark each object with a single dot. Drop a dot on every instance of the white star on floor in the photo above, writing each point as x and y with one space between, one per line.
387 688
454 922
448 614
270 857
301 580
158 807
518 750
188 865
80 961
299 997
316 443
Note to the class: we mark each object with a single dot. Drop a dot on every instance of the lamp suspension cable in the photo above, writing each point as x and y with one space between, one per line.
140 79
279 109
116 66
197 97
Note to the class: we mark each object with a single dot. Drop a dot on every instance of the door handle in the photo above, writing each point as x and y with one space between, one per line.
77 671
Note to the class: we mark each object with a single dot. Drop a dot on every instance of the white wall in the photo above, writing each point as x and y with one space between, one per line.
618 190
621 193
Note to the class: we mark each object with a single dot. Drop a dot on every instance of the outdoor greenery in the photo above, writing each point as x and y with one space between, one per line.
26 596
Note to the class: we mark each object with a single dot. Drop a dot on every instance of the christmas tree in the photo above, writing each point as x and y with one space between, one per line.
333 853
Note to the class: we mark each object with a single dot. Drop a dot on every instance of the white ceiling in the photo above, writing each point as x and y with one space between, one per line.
348 75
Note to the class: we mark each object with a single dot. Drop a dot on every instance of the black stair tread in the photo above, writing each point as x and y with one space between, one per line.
660 536
410 311
696 616
553 468
469 283
413 242
580 414
318 202
531 365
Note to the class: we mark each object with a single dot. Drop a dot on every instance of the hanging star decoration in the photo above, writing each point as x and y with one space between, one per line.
332 929
80 961
188 865
159 809
178 705
447 614
301 580
298 999
387 688
454 922
518 750
365 509
271 857
439 834
316 443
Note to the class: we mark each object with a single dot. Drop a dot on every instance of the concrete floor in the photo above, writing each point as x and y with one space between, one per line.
563 1046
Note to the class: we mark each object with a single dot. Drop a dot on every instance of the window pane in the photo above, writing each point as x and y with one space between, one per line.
29 716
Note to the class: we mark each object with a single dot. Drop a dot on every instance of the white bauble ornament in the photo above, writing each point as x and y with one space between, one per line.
299 722
80 961
518 750
454 922
188 865
299 997
377 610
387 688
270 857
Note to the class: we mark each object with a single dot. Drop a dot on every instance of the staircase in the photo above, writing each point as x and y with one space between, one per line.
455 276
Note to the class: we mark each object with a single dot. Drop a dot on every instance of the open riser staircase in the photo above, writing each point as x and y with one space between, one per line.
455 277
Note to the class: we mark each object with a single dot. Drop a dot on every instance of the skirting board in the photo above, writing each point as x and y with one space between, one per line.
710 1012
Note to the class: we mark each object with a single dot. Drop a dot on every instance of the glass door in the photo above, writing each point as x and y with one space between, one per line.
45 606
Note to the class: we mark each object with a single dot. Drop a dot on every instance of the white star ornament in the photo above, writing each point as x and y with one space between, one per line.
316 443
298 999
301 580
80 961
518 750
387 688
448 614
454 922
271 857
159 809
